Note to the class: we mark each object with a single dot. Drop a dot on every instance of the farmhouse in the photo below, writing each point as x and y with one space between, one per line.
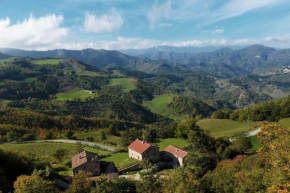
141 150
176 154
86 161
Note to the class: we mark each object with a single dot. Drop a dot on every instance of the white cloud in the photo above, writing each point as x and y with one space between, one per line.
237 7
105 23
218 30
32 32
159 12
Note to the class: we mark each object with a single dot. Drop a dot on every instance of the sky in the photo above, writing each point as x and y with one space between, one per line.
140 24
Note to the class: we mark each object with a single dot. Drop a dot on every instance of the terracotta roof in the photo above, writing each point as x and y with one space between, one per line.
176 151
84 157
140 146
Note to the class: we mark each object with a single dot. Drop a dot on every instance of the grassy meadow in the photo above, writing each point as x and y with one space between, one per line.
224 127
46 62
96 135
285 122
71 95
163 143
126 84
159 106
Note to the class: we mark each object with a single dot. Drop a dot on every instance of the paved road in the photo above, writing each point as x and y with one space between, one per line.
76 141
254 132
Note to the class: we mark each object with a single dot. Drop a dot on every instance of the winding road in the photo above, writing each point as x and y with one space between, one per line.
91 144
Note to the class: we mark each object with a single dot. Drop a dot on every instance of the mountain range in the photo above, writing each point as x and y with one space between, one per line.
221 63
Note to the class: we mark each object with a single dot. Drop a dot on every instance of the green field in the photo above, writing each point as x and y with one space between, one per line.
159 106
44 152
126 84
71 95
46 61
224 127
163 143
121 160
96 135
256 144
9 60
4 102
285 122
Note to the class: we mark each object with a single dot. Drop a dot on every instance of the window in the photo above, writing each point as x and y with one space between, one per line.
85 168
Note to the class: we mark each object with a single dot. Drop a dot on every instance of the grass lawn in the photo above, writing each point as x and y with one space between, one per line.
121 159
285 122
96 135
224 127
163 143
126 84
256 144
159 106
71 95
46 61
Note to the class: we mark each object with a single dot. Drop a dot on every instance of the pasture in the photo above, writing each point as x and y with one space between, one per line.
225 127
126 84
74 94
159 106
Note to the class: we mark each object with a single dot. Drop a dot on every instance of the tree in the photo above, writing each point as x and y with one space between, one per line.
32 184
149 135
69 134
113 130
48 135
60 154
81 183
150 179
116 185
103 136
241 144
78 147
129 135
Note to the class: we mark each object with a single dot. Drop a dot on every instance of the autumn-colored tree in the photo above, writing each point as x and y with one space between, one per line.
33 184
81 183
181 181
276 150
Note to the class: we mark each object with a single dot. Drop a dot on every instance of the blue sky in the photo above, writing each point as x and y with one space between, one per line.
137 24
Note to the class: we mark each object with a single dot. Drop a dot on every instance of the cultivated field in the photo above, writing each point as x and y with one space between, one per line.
224 127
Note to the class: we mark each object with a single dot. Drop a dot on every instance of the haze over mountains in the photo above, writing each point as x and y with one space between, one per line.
222 63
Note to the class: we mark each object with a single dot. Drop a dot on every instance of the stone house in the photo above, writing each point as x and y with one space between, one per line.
177 154
141 150
86 161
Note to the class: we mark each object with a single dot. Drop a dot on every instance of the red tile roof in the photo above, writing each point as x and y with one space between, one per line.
140 146
84 157
176 151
